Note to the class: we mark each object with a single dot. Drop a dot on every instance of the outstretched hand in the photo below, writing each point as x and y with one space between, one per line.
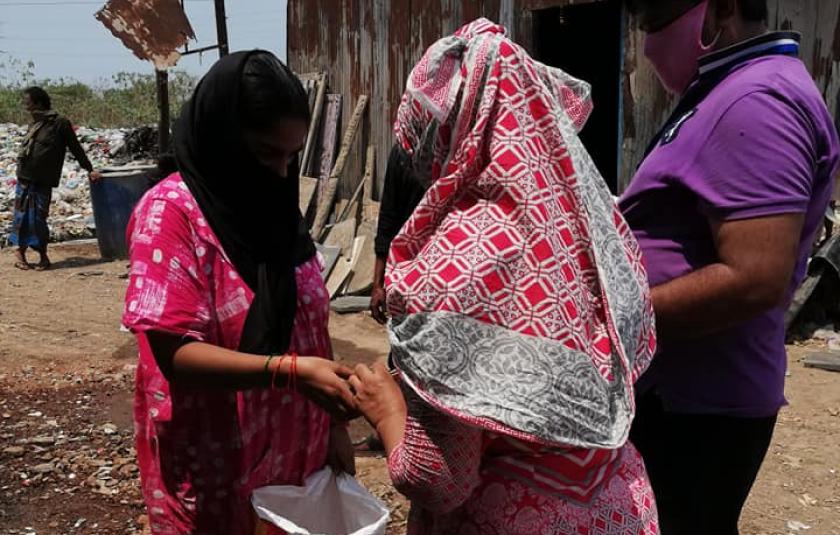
325 383
379 398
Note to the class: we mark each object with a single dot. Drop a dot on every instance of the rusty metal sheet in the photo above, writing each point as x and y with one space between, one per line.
153 29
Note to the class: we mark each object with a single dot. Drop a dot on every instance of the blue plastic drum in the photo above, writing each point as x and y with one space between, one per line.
113 199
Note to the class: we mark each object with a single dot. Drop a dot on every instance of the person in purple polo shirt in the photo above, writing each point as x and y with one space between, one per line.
725 205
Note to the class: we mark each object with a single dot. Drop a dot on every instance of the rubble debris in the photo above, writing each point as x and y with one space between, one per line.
138 144
71 453
71 213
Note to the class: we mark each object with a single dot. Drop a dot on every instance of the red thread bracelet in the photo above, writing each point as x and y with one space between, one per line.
294 371
274 373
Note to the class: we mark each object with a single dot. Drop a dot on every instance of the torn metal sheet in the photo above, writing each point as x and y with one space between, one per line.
153 29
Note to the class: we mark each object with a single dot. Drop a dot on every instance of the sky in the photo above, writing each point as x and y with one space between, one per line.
63 38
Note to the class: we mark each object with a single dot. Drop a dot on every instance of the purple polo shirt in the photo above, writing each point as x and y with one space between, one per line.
762 143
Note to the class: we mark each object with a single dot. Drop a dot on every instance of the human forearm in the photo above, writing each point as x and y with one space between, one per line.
206 365
707 301
437 462
76 149
391 431
756 260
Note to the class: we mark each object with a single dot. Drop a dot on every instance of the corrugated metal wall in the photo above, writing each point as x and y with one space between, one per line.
369 46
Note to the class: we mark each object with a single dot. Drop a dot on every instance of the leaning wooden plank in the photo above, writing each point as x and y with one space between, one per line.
308 186
314 123
823 361
370 213
361 280
309 76
330 256
349 137
326 203
370 169
339 275
344 269
328 142
311 92
340 208
342 235
368 177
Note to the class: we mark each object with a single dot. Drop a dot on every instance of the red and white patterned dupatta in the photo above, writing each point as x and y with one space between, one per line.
519 298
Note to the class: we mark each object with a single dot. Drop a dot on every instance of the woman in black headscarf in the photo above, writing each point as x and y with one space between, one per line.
225 291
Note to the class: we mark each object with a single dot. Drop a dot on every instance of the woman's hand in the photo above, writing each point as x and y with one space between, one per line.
340 454
379 398
325 383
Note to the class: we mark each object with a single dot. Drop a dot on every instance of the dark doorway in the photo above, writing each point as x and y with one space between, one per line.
586 41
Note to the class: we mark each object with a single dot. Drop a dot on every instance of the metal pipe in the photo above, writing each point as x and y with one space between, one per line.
221 28
189 51
162 83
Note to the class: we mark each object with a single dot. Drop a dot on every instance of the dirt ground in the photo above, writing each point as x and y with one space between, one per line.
66 372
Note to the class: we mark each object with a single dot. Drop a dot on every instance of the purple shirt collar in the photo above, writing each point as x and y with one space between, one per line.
785 43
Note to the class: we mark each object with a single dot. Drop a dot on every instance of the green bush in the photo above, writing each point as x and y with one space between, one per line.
130 99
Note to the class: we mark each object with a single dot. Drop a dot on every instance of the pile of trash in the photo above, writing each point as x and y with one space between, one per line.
71 214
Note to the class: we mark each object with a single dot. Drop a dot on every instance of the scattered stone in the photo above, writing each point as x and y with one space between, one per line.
109 429
807 500
795 525
44 468
128 469
13 451
42 441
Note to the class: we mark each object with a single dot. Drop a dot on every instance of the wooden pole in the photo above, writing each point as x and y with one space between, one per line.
362 187
313 125
162 83
221 28
326 203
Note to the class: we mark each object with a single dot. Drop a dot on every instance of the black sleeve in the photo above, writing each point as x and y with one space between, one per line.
75 147
400 196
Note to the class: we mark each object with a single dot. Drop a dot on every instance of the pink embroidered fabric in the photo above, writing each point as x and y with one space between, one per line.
202 452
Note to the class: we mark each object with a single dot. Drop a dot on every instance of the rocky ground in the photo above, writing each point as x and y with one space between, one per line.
66 371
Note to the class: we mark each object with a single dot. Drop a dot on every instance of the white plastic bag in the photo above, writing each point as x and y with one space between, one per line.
326 505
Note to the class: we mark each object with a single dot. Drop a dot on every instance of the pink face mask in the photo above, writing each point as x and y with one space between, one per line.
676 49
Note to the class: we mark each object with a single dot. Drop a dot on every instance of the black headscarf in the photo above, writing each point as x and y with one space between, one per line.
253 211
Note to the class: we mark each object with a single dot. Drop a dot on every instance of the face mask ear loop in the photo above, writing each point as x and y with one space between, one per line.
714 41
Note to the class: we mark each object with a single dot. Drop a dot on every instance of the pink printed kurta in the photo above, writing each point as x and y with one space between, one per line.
465 480
202 452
